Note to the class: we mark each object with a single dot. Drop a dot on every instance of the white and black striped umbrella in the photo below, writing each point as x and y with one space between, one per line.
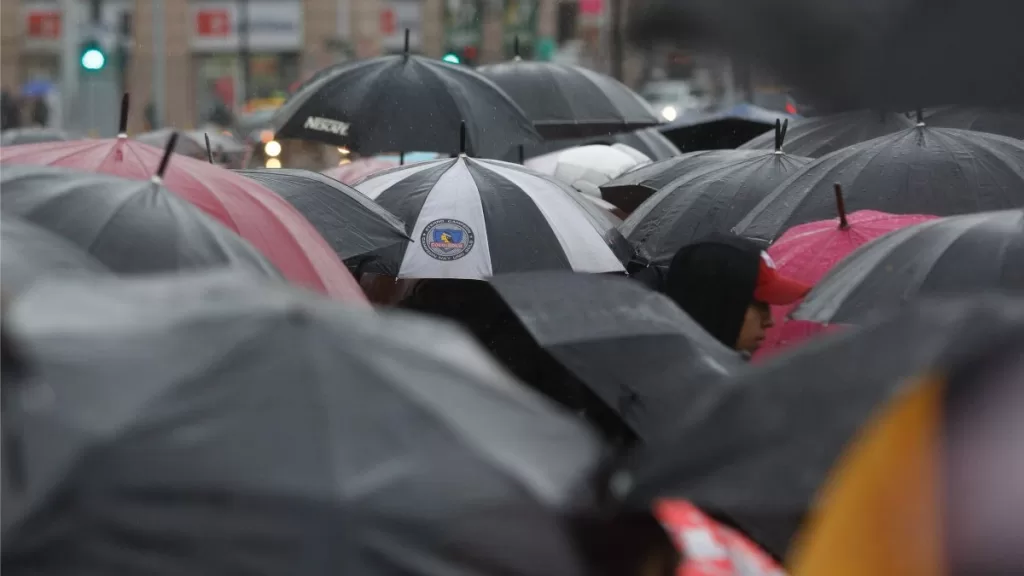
471 218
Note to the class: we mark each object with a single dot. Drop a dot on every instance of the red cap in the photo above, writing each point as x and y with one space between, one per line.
774 288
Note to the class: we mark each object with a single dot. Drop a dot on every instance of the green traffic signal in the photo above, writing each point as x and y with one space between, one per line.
452 58
93 59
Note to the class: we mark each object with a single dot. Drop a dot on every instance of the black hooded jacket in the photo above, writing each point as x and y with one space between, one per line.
713 280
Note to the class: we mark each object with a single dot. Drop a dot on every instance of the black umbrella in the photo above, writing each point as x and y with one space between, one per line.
198 424
764 449
1002 121
816 137
632 188
132 227
471 218
352 224
711 200
566 101
727 128
853 54
922 170
969 254
33 135
30 253
634 348
405 103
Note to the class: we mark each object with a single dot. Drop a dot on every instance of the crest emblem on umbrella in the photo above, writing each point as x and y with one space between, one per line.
447 239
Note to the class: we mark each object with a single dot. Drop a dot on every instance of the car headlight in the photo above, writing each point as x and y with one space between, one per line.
669 113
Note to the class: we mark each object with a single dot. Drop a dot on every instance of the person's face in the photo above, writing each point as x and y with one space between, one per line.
755 322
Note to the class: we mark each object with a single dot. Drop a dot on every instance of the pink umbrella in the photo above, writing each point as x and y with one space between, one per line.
354 171
806 252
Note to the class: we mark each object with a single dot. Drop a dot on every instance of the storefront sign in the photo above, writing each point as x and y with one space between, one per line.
591 7
43 25
397 16
273 26
43 21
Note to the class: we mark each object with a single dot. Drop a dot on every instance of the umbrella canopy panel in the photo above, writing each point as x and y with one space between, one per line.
351 223
971 254
765 448
130 226
704 202
245 452
471 218
922 170
639 353
571 101
816 137
30 253
405 103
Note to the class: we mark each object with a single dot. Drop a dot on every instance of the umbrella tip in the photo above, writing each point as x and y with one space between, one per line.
840 206
405 51
122 127
172 143
462 138
919 113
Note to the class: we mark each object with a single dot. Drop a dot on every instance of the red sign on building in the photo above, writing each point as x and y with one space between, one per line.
213 23
44 24
388 21
592 7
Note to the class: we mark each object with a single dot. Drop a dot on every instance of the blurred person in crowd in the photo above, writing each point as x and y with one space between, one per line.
478 308
10 114
40 112
728 285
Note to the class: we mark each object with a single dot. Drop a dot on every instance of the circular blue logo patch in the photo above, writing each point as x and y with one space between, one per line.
447 239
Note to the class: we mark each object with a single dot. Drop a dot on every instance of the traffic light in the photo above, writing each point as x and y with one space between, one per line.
93 57
452 58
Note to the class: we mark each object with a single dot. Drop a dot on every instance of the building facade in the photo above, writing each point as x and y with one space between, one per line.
287 41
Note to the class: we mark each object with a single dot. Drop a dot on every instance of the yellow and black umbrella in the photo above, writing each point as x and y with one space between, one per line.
935 485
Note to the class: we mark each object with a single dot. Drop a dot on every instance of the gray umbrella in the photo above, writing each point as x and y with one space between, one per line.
30 253
198 424
352 224
975 253
704 202
631 189
1002 121
193 142
634 348
921 170
130 226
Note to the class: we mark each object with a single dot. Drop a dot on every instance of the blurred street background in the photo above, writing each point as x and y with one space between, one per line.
190 63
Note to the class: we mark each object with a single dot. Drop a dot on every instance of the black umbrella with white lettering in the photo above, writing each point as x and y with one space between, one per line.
403 103
471 218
